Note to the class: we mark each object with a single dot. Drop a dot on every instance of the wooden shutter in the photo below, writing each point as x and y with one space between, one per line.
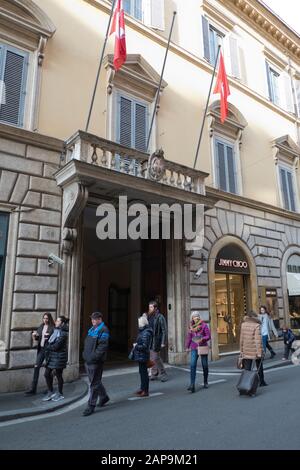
125 124
221 166
231 183
205 35
287 189
14 74
140 127
234 57
154 14
286 92
269 81
290 186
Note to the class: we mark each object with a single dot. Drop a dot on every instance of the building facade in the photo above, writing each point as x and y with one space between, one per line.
54 175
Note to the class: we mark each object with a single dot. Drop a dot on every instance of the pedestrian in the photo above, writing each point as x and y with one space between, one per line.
197 342
56 358
141 353
251 344
41 335
94 355
267 329
288 338
158 325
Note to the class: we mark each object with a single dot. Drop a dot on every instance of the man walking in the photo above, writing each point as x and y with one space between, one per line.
159 327
94 355
267 328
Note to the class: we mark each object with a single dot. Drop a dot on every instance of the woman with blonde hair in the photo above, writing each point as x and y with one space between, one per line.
197 342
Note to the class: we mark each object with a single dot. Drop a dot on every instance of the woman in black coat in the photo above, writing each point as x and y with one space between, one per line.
141 354
56 358
41 335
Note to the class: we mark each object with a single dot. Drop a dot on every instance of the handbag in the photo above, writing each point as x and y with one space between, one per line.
131 354
203 350
239 363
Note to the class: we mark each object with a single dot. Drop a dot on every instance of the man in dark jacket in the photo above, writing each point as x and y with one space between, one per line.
94 355
159 327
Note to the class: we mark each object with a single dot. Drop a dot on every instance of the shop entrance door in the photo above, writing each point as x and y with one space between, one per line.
231 306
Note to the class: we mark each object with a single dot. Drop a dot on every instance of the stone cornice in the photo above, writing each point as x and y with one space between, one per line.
251 203
31 138
264 21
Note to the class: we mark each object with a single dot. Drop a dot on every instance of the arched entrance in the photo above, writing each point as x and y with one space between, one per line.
233 291
290 269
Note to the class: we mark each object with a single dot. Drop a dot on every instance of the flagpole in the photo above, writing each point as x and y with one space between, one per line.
160 82
100 65
206 107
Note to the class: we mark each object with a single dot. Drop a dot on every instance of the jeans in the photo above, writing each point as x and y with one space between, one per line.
265 341
259 364
144 376
36 371
49 379
96 387
204 362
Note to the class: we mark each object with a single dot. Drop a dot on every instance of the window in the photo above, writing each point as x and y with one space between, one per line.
211 40
3 243
13 77
150 12
273 84
132 123
134 8
287 187
226 177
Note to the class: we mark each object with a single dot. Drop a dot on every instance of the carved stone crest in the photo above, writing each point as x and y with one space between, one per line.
156 165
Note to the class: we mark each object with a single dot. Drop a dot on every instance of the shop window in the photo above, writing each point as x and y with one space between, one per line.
4 218
293 282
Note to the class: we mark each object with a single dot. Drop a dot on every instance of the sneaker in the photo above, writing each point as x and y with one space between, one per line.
164 378
49 396
103 401
88 411
284 359
30 392
57 397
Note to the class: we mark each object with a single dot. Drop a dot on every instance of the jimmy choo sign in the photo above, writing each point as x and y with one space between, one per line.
232 259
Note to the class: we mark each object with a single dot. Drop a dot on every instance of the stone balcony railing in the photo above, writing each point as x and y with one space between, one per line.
114 157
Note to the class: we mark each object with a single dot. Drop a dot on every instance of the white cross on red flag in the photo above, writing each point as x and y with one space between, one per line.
222 87
118 27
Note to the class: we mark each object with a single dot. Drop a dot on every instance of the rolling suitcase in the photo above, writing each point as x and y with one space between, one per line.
248 382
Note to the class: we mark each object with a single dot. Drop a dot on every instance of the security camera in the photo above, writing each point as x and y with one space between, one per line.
54 259
198 273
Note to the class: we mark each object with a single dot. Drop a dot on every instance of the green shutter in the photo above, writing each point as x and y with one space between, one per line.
125 128
140 127
14 75
230 169
222 166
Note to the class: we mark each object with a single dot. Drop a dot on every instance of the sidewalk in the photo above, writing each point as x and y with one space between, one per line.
17 405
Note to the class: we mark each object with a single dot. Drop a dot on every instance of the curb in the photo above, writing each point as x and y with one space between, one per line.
267 367
26 412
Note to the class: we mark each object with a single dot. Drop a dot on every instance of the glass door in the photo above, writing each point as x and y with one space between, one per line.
231 308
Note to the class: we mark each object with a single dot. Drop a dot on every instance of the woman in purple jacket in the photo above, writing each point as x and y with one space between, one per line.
197 341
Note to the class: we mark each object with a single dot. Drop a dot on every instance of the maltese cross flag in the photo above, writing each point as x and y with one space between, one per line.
118 27
222 87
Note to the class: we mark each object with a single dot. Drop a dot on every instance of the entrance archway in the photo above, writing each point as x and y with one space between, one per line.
232 280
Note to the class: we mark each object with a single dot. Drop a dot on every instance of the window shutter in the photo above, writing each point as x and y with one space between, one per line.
126 130
291 191
286 92
222 166
284 189
205 34
14 77
140 127
154 14
269 81
234 57
231 170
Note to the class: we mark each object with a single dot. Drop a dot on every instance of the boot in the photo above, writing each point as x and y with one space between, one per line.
205 378
192 388
273 354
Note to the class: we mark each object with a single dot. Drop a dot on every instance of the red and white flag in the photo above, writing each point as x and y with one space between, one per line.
118 27
222 87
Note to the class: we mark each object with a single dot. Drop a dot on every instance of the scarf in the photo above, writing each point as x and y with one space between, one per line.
55 335
94 332
196 326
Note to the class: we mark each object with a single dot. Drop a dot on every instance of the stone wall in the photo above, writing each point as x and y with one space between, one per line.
28 192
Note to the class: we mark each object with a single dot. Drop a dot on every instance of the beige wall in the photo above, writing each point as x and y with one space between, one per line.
70 67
